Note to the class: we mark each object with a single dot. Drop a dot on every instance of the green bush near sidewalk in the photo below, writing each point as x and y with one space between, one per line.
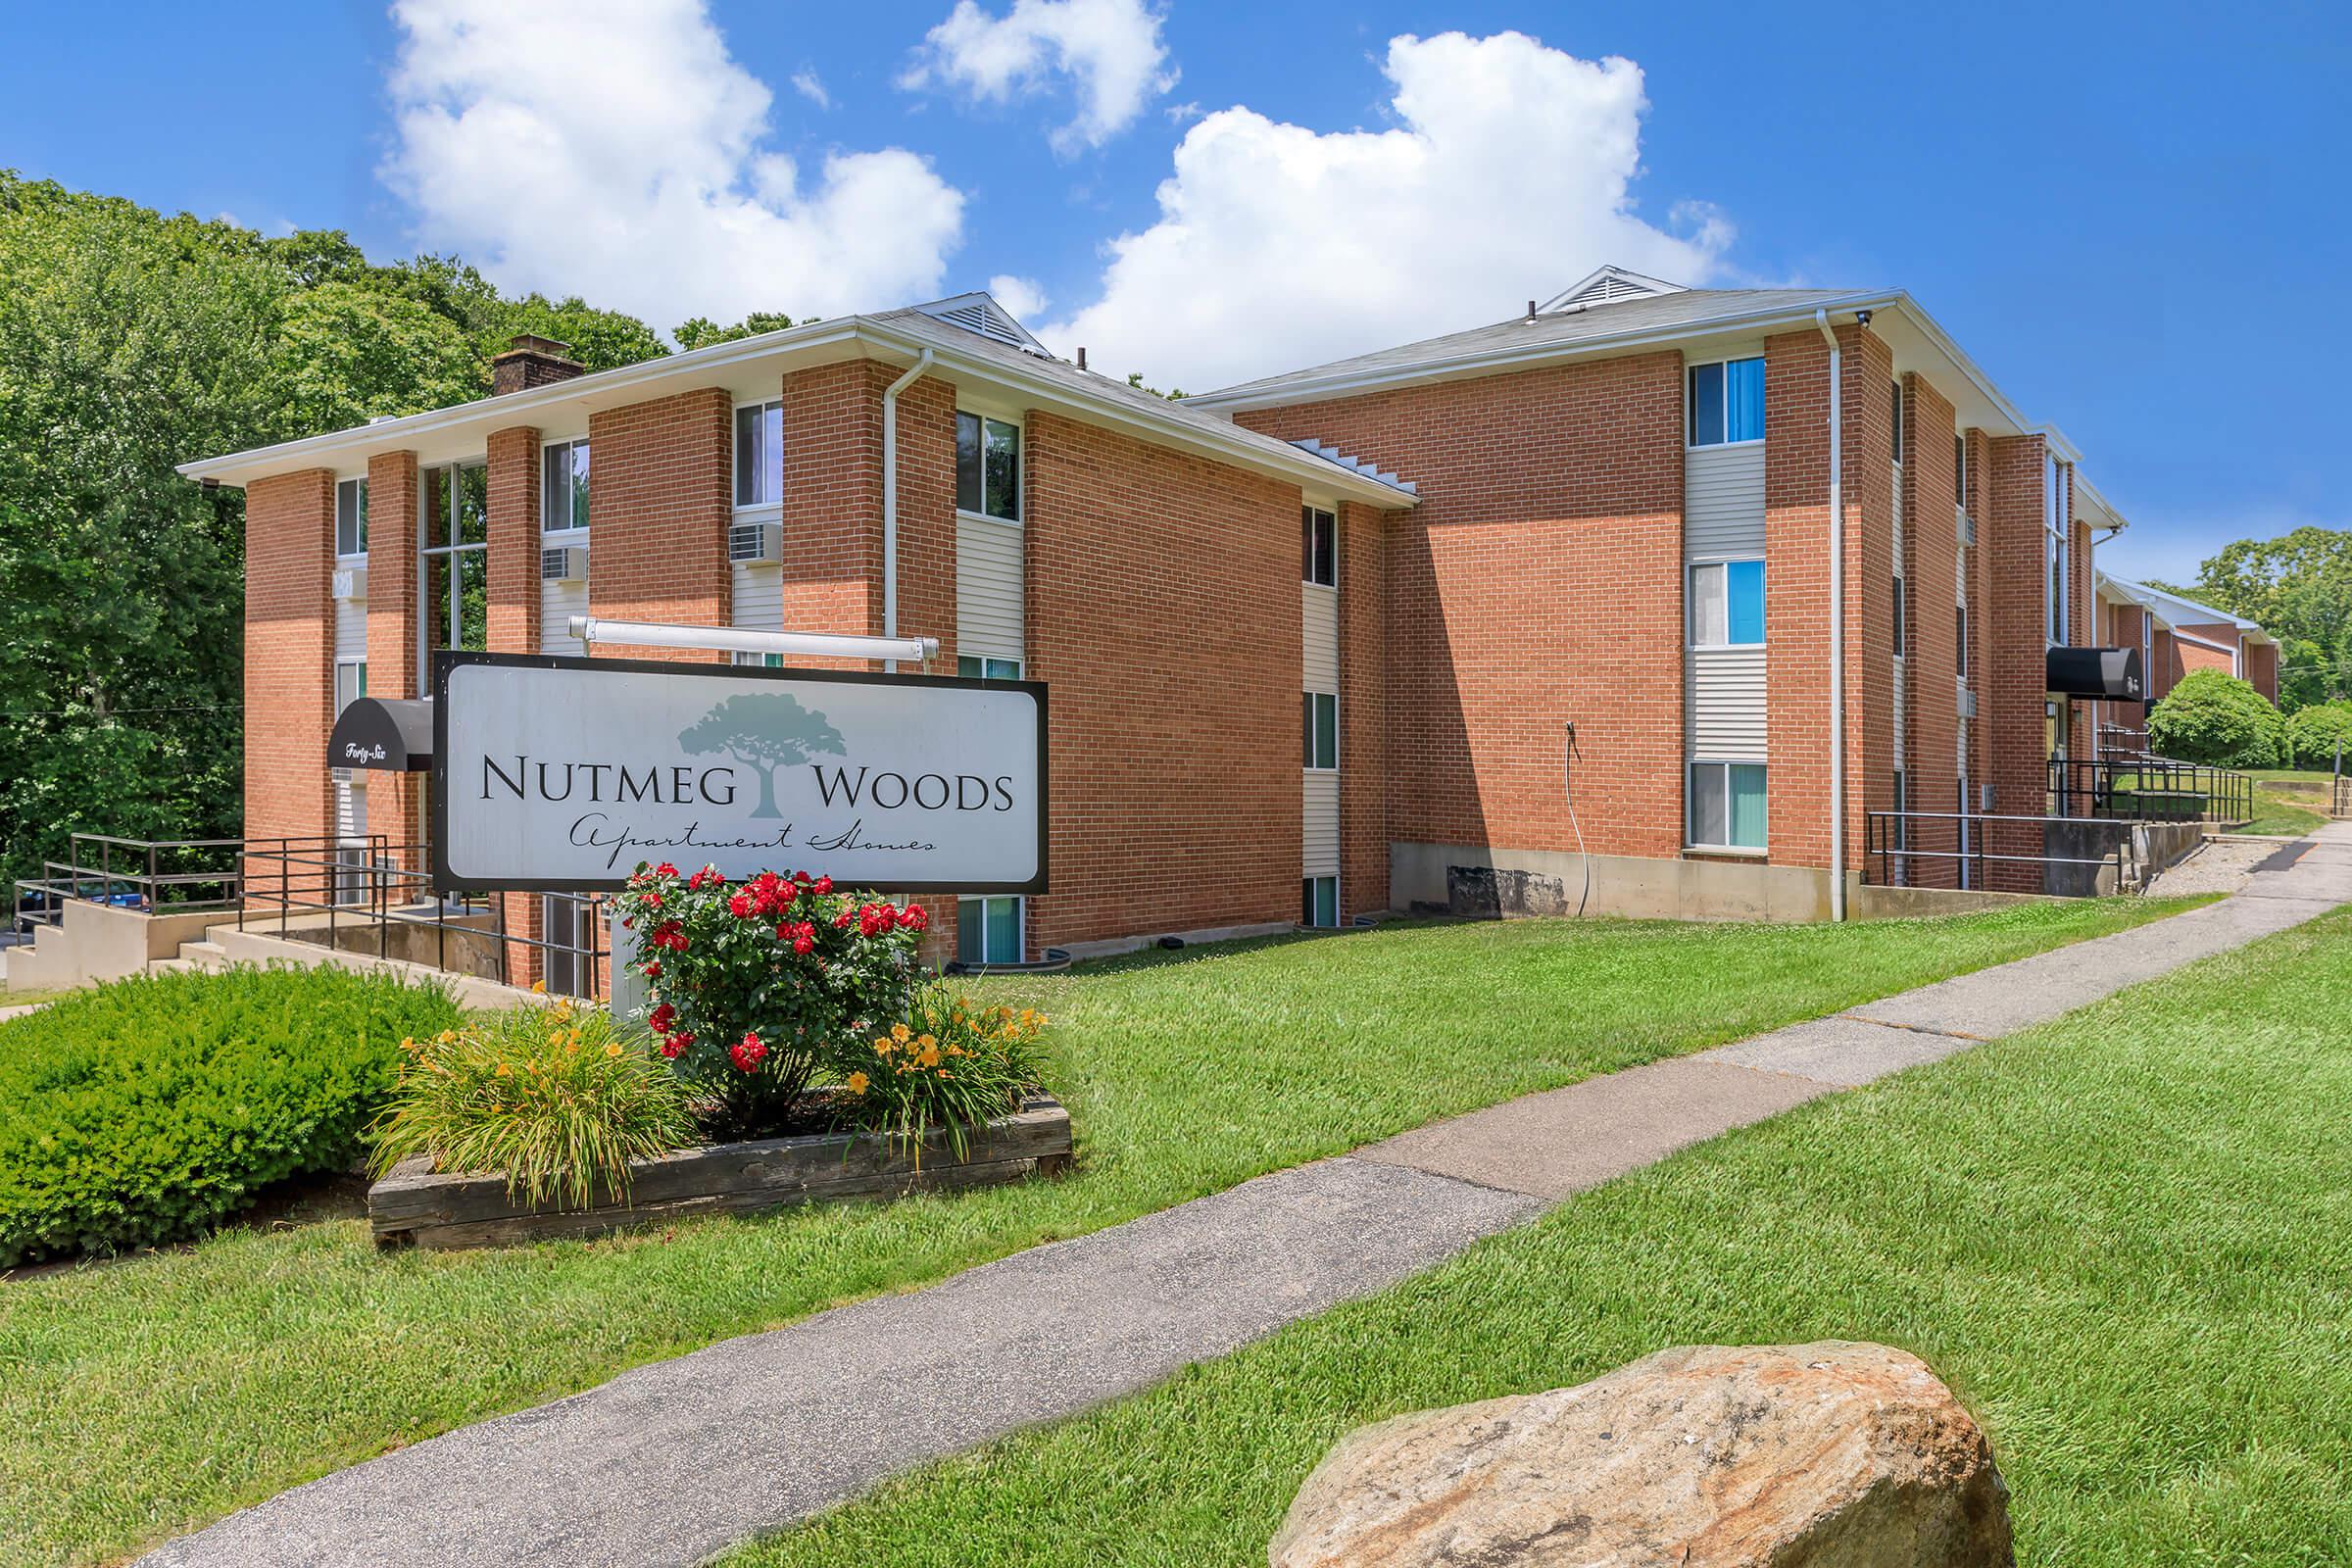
153 1108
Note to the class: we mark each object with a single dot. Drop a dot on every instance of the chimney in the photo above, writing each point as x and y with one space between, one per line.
530 362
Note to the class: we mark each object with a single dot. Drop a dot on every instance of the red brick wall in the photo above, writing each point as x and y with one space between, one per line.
1870 693
2196 655
1363 710
1930 547
1538 581
2015 662
395 800
1975 565
832 567
1162 607
2261 669
659 508
289 654
514 541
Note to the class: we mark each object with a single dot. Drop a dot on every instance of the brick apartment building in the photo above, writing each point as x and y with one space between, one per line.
2175 636
1315 643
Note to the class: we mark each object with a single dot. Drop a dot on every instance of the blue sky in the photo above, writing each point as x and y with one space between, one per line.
2135 218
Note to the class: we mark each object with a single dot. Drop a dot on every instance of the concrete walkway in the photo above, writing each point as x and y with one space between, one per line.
673 1462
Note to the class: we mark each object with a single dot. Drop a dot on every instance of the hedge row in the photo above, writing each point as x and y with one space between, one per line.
152 1109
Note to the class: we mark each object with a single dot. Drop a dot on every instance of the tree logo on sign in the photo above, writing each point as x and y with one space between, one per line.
763 731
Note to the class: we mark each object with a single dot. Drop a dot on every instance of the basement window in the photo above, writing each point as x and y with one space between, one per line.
1726 402
988 930
988 467
1727 805
1319 902
974 668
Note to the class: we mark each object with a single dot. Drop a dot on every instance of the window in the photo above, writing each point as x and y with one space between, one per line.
1319 902
1322 723
1318 546
988 930
1727 805
562 486
743 661
1727 604
760 455
455 521
1902 615
1897 388
2053 542
976 668
988 467
1960 641
1960 469
351 517
351 682
1727 401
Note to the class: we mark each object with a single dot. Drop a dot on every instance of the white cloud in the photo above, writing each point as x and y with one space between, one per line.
1506 174
1110 50
612 148
1020 295
812 87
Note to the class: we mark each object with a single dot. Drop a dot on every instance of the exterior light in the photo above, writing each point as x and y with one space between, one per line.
735 640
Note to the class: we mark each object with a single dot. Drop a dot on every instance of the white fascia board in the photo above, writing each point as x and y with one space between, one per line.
1455 367
599 389
1040 390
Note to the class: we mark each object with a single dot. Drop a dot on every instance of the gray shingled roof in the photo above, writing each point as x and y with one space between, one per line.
916 323
1563 329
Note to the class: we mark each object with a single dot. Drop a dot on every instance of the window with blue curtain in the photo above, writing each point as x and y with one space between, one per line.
1743 588
1727 805
1747 804
1727 401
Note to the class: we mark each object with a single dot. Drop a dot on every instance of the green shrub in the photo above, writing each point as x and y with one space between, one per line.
561 1101
2314 733
2217 719
152 1109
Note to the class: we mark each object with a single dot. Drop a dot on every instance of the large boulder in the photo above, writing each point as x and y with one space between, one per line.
1797 1457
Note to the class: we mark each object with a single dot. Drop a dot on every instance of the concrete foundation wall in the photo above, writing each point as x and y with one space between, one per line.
98 942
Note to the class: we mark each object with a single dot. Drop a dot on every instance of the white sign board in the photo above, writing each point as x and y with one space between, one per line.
563 774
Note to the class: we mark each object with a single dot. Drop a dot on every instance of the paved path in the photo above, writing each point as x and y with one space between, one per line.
673 1462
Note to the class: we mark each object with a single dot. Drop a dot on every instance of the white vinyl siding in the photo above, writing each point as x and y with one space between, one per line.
351 628
558 602
1723 518
1319 840
1319 628
988 586
1319 672
758 597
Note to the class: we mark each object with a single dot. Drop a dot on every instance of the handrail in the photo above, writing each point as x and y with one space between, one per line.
1887 840
2148 789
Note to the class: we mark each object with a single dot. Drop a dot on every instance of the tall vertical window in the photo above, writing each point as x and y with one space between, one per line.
987 466
1895 388
1960 641
1727 805
351 517
455 523
351 682
1726 402
1902 614
562 486
760 455
1318 546
1960 469
988 930
2053 543
1727 604
1321 711
1319 902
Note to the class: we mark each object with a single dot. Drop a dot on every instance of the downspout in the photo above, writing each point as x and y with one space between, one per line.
1821 319
890 498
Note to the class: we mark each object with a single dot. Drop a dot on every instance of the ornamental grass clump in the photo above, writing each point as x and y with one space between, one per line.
945 1066
755 985
560 1098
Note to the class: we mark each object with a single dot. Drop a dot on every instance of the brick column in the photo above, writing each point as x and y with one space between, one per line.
1931 544
395 800
2261 669
832 567
289 667
2015 680
513 628
659 509
1363 710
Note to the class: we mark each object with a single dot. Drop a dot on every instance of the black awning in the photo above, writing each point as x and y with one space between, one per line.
393 734
2111 674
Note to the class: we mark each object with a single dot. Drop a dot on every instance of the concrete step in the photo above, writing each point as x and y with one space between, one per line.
205 954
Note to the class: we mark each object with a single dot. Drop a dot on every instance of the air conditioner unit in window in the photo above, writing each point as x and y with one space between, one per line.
1968 531
564 563
756 541
351 582
1968 701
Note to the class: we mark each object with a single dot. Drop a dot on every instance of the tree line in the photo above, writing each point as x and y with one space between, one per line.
2299 587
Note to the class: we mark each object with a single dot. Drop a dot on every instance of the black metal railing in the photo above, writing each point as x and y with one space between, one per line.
2118 741
360 889
2148 789
2339 798
152 876
1897 846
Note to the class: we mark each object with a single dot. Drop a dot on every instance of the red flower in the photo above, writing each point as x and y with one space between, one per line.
665 869
741 906
913 918
841 921
747 1052
653 968
651 899
822 885
803 944
672 1044
662 1017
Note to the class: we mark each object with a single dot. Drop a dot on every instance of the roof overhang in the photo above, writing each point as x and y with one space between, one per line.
750 370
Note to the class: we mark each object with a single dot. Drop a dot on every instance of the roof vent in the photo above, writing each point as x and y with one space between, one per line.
1608 286
979 313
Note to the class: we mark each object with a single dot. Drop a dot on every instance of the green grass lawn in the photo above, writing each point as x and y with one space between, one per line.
151 1395
2125 1238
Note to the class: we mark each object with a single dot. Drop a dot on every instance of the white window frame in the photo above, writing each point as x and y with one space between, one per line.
1306 896
984 660
1020 490
755 511
1689 366
1690 839
569 533
2057 592
1020 926
1309 723
359 684
358 557
1690 570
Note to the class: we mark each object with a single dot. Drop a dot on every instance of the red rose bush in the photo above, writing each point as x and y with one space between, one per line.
757 985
